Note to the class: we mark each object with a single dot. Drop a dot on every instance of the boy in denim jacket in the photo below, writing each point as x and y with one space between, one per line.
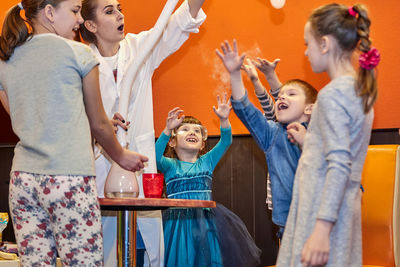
280 140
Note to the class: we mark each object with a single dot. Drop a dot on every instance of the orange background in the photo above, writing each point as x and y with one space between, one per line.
193 76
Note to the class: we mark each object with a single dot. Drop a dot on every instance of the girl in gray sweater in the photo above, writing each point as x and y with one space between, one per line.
324 222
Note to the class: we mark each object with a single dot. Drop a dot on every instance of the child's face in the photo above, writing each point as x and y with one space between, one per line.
291 104
189 137
109 22
67 18
313 50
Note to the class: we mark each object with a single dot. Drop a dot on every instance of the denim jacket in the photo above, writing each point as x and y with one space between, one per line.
282 156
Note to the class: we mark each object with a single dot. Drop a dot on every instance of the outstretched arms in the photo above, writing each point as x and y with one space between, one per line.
233 63
268 68
267 104
223 110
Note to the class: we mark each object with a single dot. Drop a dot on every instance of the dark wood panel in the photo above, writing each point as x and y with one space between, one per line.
385 136
240 185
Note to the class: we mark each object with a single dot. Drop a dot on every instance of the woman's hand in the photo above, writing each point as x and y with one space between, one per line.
118 120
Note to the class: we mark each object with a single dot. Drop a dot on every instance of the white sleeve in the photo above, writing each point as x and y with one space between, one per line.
180 25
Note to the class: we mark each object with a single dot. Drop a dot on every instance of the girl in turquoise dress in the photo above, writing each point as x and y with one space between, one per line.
199 236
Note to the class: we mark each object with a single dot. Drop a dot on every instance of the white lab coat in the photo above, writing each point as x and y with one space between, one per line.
141 135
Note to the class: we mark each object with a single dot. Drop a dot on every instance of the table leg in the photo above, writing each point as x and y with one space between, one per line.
126 238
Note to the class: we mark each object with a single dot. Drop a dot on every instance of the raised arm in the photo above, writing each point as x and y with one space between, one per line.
233 63
267 104
102 128
223 110
268 68
174 119
194 7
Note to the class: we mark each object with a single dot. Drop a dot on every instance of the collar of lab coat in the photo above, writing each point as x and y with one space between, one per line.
106 71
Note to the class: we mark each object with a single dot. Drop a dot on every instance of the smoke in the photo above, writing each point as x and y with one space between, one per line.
218 72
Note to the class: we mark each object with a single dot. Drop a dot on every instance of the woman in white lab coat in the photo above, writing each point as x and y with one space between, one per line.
104 30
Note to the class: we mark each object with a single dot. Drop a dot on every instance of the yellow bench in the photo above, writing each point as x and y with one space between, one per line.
380 206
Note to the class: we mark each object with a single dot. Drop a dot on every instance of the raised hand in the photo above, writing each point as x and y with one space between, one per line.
174 119
265 66
250 70
224 107
230 57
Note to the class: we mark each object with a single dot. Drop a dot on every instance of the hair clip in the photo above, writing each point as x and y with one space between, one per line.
370 59
20 6
352 12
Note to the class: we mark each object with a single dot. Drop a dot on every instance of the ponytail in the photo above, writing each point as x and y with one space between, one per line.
14 33
350 27
366 85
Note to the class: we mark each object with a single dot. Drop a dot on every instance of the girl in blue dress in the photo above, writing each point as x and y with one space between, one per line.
199 236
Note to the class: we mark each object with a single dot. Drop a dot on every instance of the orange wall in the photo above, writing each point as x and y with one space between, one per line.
193 76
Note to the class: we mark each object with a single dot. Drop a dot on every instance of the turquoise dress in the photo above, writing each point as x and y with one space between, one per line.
198 236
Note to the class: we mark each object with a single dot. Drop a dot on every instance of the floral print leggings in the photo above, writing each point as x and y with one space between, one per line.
53 214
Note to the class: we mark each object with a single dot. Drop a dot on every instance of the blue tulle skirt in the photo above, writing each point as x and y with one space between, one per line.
198 237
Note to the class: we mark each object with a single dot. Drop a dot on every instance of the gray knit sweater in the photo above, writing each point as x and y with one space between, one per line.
327 181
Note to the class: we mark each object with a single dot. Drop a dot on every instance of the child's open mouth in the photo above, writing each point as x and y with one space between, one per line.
121 28
282 106
191 140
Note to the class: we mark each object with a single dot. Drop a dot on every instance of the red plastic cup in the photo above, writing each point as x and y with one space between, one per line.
153 184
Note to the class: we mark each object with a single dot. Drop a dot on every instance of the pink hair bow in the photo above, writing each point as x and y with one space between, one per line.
370 59
352 12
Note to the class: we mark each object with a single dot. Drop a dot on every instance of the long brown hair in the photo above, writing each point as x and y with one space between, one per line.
88 12
16 30
350 32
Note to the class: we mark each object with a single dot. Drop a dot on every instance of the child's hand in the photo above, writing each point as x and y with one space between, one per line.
316 249
250 70
296 133
224 107
265 66
232 61
132 161
173 120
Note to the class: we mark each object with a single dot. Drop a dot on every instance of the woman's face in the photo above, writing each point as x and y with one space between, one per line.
67 18
109 22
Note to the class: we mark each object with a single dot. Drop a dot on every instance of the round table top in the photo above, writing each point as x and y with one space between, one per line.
152 203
